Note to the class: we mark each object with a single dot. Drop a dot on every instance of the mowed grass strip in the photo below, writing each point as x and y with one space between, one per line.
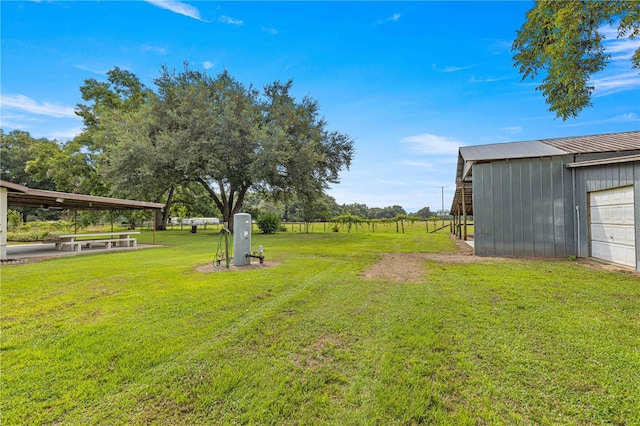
142 337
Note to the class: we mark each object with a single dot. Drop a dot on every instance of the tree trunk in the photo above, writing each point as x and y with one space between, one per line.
226 203
163 219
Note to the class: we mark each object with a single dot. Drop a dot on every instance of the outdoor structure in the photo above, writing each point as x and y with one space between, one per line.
14 195
577 196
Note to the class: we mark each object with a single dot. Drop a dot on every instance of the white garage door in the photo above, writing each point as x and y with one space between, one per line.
612 226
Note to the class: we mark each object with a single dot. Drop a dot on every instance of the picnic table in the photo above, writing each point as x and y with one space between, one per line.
75 242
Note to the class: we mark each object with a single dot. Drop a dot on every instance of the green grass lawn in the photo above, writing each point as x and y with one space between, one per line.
141 337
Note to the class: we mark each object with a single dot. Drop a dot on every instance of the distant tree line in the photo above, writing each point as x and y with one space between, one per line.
63 166
54 165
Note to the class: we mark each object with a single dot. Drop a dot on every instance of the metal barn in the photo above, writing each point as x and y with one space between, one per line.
577 196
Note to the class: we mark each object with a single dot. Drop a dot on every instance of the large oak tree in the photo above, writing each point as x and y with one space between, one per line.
226 137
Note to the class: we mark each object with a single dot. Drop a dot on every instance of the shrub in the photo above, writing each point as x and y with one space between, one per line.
269 223
14 220
39 230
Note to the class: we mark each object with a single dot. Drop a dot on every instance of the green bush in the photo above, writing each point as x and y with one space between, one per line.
39 230
14 219
269 223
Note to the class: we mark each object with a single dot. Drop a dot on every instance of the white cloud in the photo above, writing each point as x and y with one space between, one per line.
23 103
177 7
488 80
421 164
270 30
391 182
631 116
92 69
65 133
433 145
618 76
208 65
512 130
451 68
618 82
16 121
228 20
393 18
622 118
621 49
499 47
153 49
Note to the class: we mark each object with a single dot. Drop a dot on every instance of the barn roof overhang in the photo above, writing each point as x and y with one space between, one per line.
604 161
22 196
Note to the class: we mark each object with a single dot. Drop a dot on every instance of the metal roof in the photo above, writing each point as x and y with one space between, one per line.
502 151
610 142
22 196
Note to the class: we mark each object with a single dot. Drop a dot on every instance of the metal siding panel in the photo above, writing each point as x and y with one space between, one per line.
612 177
498 209
537 209
489 231
626 174
557 192
481 210
547 209
636 190
559 220
506 224
568 212
581 202
517 207
478 211
527 210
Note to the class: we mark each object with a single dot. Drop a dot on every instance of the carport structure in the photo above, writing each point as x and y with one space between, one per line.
15 195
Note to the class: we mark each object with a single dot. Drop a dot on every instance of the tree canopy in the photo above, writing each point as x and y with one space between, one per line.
224 136
18 149
565 39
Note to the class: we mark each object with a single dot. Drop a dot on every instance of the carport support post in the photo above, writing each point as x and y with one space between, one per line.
464 214
155 220
3 223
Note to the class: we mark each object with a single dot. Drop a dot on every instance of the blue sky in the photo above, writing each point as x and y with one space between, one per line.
409 81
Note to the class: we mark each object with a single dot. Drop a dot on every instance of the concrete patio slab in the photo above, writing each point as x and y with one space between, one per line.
21 253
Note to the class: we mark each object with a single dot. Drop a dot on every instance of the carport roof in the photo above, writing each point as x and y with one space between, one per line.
22 196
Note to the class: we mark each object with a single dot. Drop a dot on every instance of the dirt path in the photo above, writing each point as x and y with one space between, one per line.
408 267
